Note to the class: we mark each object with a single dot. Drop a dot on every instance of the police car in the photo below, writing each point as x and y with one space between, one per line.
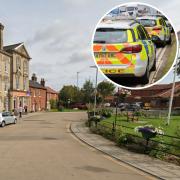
157 28
124 48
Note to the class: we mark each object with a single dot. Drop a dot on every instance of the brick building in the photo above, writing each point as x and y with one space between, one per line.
38 94
51 95
158 96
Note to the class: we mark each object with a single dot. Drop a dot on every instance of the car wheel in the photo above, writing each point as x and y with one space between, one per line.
145 78
3 124
170 40
15 121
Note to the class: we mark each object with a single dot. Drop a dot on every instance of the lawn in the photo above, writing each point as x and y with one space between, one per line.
128 126
66 110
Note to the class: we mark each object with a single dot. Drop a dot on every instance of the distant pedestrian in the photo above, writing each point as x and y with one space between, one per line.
20 111
25 109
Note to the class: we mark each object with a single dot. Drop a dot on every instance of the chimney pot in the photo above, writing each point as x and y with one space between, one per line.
42 82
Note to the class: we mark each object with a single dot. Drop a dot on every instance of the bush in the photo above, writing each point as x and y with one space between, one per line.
106 113
60 108
159 151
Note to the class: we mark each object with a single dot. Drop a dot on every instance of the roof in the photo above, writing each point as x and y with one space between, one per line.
50 90
35 84
122 24
12 47
149 17
167 93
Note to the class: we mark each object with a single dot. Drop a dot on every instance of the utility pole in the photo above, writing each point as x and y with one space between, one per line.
172 93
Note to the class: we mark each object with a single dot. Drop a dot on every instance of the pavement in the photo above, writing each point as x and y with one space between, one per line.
152 166
41 146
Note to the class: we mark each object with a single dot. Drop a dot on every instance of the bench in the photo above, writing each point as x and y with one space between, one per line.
132 116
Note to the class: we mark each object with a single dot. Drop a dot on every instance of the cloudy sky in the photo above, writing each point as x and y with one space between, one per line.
57 34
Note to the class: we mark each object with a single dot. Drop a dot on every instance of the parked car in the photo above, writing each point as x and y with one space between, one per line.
157 29
7 118
124 49
79 106
107 104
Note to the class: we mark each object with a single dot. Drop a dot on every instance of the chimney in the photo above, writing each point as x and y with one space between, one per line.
43 82
1 36
34 78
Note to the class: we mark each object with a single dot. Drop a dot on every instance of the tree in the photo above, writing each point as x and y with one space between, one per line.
105 89
70 94
88 92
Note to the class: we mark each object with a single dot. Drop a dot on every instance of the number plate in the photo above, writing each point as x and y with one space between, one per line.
104 55
112 71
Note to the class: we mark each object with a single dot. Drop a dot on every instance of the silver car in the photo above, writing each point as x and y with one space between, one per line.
7 118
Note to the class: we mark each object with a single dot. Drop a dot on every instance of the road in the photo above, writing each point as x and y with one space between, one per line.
42 147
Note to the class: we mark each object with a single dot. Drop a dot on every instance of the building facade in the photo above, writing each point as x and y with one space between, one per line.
5 60
51 95
38 94
14 75
19 79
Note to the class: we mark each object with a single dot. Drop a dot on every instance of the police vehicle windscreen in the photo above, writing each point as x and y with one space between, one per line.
147 22
110 36
130 8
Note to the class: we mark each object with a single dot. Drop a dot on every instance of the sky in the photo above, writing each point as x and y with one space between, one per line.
57 34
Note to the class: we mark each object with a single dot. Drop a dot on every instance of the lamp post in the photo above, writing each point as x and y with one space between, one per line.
95 95
78 80
172 93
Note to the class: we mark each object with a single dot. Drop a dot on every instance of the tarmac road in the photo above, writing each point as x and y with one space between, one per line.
42 147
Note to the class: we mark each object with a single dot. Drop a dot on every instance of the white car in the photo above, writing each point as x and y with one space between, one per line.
131 10
7 118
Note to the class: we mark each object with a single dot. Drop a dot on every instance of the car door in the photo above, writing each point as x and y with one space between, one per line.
5 117
167 30
164 32
10 118
152 46
147 42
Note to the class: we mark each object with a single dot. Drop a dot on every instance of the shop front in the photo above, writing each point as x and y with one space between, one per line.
19 99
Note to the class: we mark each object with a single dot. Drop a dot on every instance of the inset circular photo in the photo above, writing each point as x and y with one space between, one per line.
134 45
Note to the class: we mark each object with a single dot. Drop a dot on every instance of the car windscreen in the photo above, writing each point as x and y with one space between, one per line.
110 35
147 22
130 8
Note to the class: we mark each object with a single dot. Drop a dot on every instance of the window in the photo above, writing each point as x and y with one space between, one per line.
141 33
6 66
6 85
147 22
110 35
25 64
146 33
24 83
17 82
18 63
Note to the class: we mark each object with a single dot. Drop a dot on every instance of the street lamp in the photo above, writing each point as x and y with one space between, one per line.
95 96
78 80
172 92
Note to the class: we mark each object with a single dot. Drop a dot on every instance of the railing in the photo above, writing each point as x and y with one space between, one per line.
113 128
